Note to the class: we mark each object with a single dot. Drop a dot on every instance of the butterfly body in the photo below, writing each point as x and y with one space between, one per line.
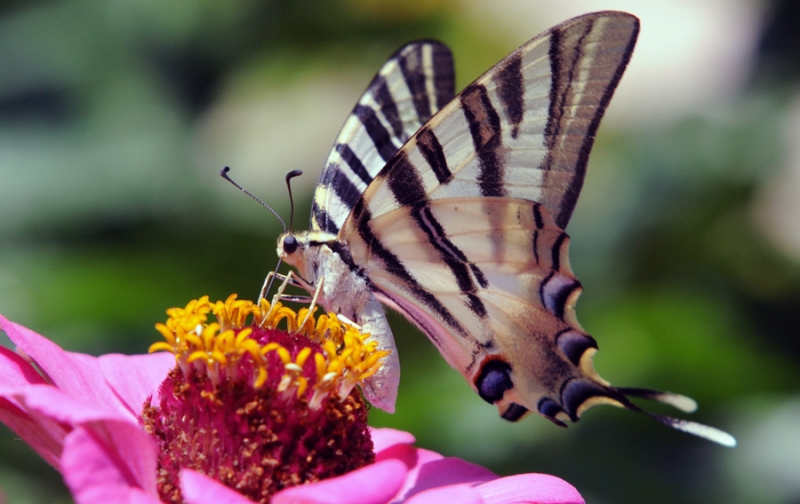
452 209
323 261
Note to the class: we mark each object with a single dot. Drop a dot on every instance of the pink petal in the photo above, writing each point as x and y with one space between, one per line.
76 374
451 471
461 494
110 462
43 435
42 416
14 370
50 402
385 438
539 488
200 489
134 378
411 456
372 484
432 471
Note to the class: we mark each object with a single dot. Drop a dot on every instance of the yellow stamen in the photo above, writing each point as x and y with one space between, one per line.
233 313
347 356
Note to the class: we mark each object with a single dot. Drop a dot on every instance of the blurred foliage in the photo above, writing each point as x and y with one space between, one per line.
108 223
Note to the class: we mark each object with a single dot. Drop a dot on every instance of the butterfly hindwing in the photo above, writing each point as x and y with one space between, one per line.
410 87
486 295
463 229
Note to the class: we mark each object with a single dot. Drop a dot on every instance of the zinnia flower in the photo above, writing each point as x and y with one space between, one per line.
236 412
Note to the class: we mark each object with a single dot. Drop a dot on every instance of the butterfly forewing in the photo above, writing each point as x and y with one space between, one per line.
412 85
525 128
463 229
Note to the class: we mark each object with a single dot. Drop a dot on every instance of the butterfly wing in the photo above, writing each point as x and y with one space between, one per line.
463 229
515 337
500 311
526 127
413 84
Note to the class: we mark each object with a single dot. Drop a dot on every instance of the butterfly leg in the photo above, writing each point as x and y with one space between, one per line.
265 287
297 299
278 295
283 278
312 306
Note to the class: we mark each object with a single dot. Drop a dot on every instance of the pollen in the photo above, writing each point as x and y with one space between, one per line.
346 357
262 397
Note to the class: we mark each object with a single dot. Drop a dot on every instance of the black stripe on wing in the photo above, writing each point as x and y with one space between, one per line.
407 188
486 131
382 140
394 266
432 151
511 90
412 66
354 163
388 106
413 84
585 74
574 190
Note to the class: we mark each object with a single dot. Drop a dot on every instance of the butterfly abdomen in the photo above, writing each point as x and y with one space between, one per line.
337 283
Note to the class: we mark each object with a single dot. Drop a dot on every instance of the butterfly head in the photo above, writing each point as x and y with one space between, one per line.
294 247
303 250
291 246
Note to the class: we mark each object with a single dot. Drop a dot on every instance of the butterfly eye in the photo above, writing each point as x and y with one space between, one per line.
290 244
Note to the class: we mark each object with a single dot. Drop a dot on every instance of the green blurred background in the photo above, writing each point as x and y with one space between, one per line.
116 116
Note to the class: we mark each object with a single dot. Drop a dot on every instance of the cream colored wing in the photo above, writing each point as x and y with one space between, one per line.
524 129
515 140
413 84
462 231
512 331
498 302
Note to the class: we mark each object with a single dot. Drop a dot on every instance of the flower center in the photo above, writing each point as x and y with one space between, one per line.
257 408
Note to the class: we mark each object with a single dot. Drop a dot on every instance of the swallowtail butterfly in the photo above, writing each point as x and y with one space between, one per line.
451 209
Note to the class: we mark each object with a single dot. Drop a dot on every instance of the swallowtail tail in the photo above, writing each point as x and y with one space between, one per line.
451 209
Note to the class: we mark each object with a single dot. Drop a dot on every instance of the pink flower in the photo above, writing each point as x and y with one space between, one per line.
403 473
83 415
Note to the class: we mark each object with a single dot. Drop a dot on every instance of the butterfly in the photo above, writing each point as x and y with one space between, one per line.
451 209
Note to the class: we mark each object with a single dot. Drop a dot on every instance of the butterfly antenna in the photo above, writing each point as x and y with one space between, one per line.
224 174
289 176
